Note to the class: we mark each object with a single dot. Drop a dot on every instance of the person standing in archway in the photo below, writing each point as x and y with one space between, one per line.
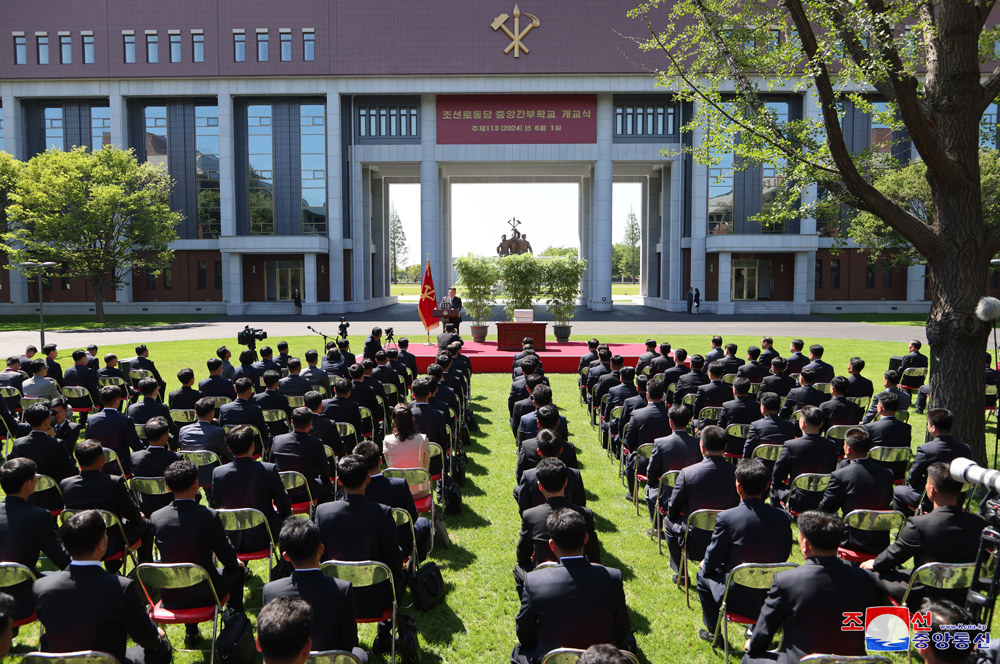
690 299
697 301
298 302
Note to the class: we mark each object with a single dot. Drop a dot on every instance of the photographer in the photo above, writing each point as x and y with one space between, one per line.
373 344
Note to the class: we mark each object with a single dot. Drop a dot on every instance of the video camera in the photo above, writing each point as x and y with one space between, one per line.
389 335
250 336
343 328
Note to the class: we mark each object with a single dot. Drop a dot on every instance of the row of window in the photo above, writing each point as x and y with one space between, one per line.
263 44
175 47
42 48
645 120
167 278
870 271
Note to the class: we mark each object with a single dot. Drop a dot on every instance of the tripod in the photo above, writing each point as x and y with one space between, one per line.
983 592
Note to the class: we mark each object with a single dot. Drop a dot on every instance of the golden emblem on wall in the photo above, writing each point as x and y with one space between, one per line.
516 37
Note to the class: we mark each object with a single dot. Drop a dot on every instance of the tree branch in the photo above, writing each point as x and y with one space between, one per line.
991 89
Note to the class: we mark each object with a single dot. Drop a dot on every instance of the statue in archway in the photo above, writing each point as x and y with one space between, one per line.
516 245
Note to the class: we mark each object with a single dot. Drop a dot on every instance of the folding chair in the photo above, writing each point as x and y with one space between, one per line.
402 518
622 453
667 479
892 455
248 518
10 392
767 452
414 476
844 659
605 437
76 392
942 576
754 389
688 400
740 431
903 415
366 573
78 657
111 457
822 387
572 655
698 520
293 480
646 369
175 576
140 430
180 417
913 373
12 574
391 390
671 391
807 483
135 375
319 387
28 402
121 385
201 458
795 377
345 429
728 379
600 414
710 413
220 402
872 521
296 402
284 372
749 575
111 521
44 484
592 407
437 451
367 415
991 394
275 415
645 451
839 431
863 402
332 657
148 486
583 386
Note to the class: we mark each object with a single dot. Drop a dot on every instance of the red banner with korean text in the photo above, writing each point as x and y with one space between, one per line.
516 119
428 300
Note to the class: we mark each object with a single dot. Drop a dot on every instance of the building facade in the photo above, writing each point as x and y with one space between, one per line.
284 124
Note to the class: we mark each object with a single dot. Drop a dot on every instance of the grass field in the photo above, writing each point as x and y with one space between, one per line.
74 322
908 320
414 289
476 621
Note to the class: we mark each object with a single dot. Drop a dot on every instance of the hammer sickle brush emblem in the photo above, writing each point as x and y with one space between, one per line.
516 44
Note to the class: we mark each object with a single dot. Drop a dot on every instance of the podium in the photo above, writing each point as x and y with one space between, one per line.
509 335
447 314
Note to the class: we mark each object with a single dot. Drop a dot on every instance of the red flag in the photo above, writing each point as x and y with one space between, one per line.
428 300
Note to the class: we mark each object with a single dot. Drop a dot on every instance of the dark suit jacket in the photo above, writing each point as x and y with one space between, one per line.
766 355
185 398
860 386
528 426
799 398
716 353
117 432
216 386
771 430
645 360
943 448
51 459
943 535
242 411
248 483
202 436
82 376
248 371
386 375
709 484
673 374
575 605
796 362
358 529
528 495
689 383
839 411
528 457
400 370
824 372
344 410
68 433
55 371
810 602
712 394
586 359
332 602
146 409
617 396
444 339
153 462
913 361
92 489
25 530
148 365
862 484
604 385
631 405
394 492
809 454
431 423
647 424
533 545
300 452
741 410
409 359
274 400
904 403
659 364
731 364
595 374
752 371
315 376
520 409
781 384
266 364
372 346
328 434
674 452
890 432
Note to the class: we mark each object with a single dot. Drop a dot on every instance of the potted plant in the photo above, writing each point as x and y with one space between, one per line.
521 278
563 277
478 277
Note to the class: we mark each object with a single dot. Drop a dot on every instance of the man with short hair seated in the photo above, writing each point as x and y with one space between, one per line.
527 456
215 385
645 425
751 532
294 384
80 375
778 381
674 452
769 429
528 494
88 608
528 425
824 372
38 386
322 428
114 431
810 601
300 452
712 394
575 604
153 462
331 600
838 409
111 370
49 455
244 411
689 382
149 406
888 431
340 408
272 399
186 396
796 361
890 381
859 385
942 448
803 395
284 631
810 453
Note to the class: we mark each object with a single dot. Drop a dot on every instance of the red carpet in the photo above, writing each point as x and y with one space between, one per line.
559 358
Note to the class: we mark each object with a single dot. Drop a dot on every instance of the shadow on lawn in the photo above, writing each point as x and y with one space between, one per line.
455 557
440 624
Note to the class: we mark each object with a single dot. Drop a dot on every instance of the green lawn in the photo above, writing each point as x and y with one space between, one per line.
61 322
910 320
414 289
404 289
476 622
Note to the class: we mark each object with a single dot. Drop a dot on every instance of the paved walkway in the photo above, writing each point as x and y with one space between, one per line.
624 319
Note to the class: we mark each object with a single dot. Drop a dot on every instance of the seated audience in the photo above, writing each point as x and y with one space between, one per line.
405 447
528 494
891 382
284 631
811 453
186 396
114 431
153 462
300 452
394 492
49 455
674 452
942 448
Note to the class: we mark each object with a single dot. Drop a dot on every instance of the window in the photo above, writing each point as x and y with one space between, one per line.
819 273
771 174
52 128
66 50
43 50
88 49
869 276
152 48
239 47
218 275
309 46
206 130
988 127
150 281
100 127
313 137
286 47
202 275
168 279
378 121
835 273
260 170
886 275
198 45
20 50
175 48
129 48
720 196
644 120
262 47
881 133
155 119
64 282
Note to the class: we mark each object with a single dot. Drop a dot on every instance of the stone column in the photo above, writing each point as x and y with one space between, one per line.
379 236
334 198
603 186
802 268
227 164
584 222
699 221
647 247
724 305
119 117
310 306
235 306
13 145
915 283
430 187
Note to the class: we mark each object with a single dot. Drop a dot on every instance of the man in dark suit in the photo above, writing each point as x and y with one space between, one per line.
645 426
887 431
946 534
743 409
859 483
373 344
153 462
92 362
617 427
344 346
519 387
752 369
751 532
67 431
215 385
528 427
662 362
283 356
248 370
769 429
527 454
449 335
590 356
55 372
94 490
187 532
408 359
332 600
326 431
114 612
363 395
692 380
914 359
824 372
25 529
811 600
607 381
228 371
203 435
528 494
712 394
299 452
429 421
796 361
597 371
242 411
49 455
313 374
184 398
387 376
767 352
674 452
811 453
708 484
674 373
778 382
860 386
150 405
80 375
618 395
524 406
111 370
575 604
730 363
717 352
356 528
266 362
342 409
272 399
890 381
394 492
244 483
451 303
12 377
142 361
394 363
647 358
838 410
942 448
803 395
114 431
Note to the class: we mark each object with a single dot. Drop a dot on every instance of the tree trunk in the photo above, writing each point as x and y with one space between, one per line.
99 304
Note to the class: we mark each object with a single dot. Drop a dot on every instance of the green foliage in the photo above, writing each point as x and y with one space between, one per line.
619 253
100 216
10 173
521 278
397 243
630 247
559 251
563 277
479 276
412 273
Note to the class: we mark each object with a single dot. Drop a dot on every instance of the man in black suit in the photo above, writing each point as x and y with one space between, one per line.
283 356
712 394
804 395
859 483
142 361
184 398
811 600
247 370
796 361
674 452
113 610
215 385
272 399
751 532
730 363
394 492
631 404
662 362
769 429
519 387
524 406
266 362
332 600
743 409
717 352
342 409
692 380
394 363
356 528
80 375
890 381
12 377
49 455
429 421
617 396
67 431
674 373
55 372
449 336
187 532
284 631
114 431
824 372
344 346
242 411
647 358
778 382
203 435
838 410
527 455
811 453
363 395
228 371
914 359
528 427
373 344
607 381
590 356
575 604
752 370
386 375
150 405
946 534
153 462
111 370
25 530
92 354
943 447
245 483
314 374
528 494
408 359
322 428
94 490
708 484
860 386
597 371
887 431
645 426
299 452
767 352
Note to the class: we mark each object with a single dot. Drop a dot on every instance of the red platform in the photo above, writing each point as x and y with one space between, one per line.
556 358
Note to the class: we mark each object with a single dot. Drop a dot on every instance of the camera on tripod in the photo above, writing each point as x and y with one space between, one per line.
343 328
250 336
389 334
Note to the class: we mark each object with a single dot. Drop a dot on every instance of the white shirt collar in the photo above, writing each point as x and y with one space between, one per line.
87 563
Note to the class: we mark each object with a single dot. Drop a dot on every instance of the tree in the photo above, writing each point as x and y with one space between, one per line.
560 251
631 243
397 243
100 216
10 173
412 273
619 253
924 59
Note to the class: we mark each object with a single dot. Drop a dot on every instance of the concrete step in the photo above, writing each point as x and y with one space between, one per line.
269 309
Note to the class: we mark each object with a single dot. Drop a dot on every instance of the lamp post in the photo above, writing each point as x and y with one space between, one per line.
40 267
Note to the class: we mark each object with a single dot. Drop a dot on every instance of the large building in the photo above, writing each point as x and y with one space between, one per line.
283 125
